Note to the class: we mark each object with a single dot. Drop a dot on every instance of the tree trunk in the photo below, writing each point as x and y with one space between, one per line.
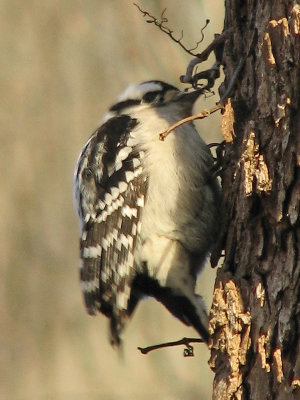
255 316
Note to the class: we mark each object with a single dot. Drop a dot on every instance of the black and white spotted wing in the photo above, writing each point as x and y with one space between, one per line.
110 188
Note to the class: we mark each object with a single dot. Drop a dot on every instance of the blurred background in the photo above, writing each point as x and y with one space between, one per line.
63 62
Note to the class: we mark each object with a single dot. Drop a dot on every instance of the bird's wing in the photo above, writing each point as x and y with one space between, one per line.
110 187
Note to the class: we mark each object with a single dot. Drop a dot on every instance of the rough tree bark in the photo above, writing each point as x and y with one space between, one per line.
255 316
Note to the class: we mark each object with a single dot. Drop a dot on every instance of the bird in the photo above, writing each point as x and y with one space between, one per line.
149 210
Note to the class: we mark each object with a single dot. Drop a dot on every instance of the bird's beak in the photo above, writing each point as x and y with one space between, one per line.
186 101
189 97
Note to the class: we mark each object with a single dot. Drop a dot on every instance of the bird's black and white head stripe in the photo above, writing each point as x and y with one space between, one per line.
149 93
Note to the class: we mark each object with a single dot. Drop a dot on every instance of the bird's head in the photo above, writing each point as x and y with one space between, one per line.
153 94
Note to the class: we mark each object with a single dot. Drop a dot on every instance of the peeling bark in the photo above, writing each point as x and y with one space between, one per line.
255 316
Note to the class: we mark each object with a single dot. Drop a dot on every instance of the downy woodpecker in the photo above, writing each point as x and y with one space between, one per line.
149 210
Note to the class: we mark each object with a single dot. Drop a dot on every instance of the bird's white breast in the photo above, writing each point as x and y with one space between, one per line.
175 168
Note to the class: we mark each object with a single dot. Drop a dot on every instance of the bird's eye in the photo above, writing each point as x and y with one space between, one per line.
152 97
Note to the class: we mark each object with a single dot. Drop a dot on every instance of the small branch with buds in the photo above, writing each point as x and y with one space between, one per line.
188 351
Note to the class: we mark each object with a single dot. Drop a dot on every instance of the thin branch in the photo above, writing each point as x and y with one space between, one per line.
190 78
232 81
237 71
203 114
188 351
202 35
203 56
210 75
217 47
160 23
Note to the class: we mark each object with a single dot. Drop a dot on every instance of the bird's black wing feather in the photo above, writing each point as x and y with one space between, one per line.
110 187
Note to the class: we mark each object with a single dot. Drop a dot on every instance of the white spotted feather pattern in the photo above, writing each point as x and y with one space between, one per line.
109 192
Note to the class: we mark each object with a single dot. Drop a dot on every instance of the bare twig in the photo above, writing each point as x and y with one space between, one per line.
160 23
190 78
237 71
233 80
203 56
193 78
210 75
188 351
203 114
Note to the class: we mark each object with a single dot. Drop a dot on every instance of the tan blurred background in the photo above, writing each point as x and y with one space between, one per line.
62 64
